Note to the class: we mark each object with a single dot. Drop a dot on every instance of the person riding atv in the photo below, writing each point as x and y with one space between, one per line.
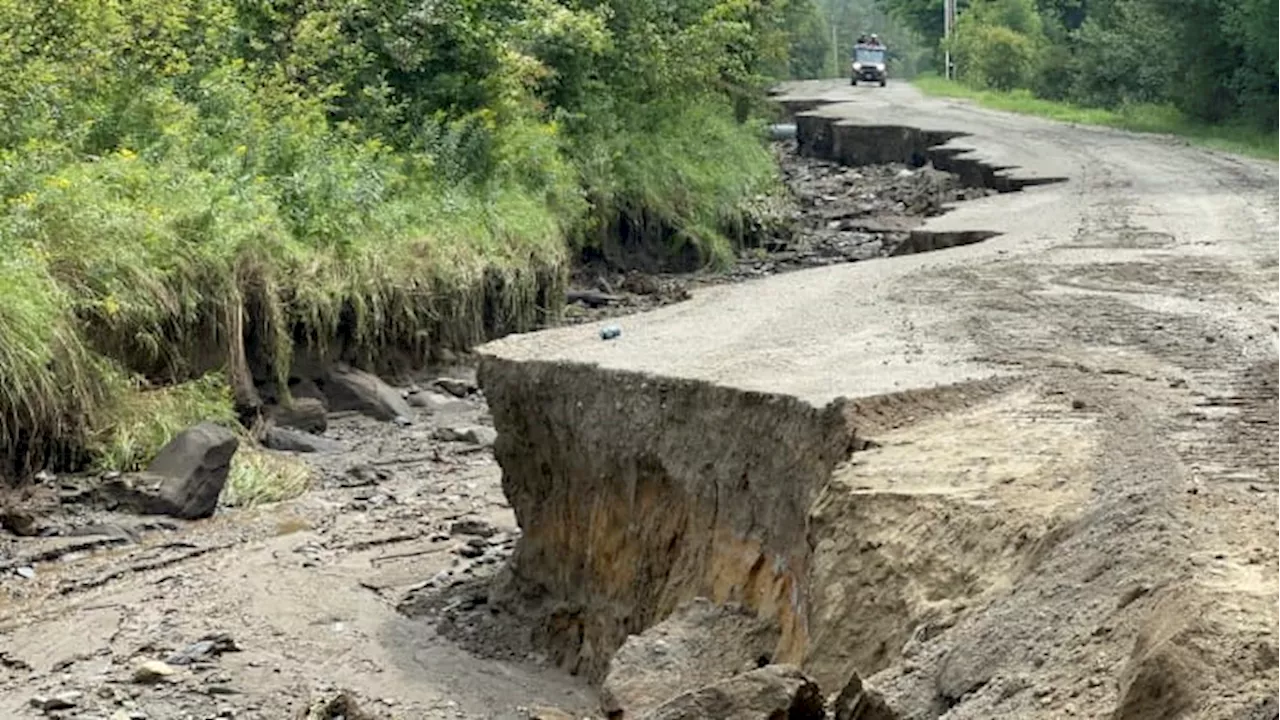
869 62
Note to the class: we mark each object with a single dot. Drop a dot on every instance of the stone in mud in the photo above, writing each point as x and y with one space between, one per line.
61 701
207 647
302 413
152 671
435 402
701 643
20 522
455 386
194 467
857 702
473 526
289 440
773 691
350 389
474 434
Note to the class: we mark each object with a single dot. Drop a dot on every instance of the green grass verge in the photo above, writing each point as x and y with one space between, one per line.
1145 118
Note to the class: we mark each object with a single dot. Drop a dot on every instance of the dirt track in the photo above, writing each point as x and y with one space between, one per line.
1098 535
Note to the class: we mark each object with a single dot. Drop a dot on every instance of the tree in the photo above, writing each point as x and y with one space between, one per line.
998 44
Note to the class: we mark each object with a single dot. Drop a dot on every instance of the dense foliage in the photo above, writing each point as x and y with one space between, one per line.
1214 60
180 178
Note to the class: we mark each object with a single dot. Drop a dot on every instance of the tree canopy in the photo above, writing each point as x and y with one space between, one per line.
1215 60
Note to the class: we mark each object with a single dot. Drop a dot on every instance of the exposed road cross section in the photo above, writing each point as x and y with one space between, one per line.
1029 475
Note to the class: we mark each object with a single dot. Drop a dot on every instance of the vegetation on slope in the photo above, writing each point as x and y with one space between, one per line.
195 186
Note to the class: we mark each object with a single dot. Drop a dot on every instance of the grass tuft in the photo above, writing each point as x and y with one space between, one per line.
261 476
1143 118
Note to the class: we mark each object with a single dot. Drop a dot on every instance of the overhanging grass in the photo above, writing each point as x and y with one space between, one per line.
1145 118
678 174
121 265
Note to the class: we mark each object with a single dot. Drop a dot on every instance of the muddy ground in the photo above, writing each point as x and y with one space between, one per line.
372 582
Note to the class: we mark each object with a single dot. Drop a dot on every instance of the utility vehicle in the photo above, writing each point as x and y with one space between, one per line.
869 64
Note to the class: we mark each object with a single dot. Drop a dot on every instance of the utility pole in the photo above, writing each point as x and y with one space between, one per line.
835 48
948 27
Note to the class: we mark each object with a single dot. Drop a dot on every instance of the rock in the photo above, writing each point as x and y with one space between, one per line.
475 434
470 551
302 413
360 475
152 671
435 402
26 572
857 702
701 643
19 522
351 389
61 701
455 386
308 389
773 691
194 467
206 647
290 440
473 526
340 706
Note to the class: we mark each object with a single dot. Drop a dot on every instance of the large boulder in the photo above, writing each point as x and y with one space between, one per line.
193 469
301 413
701 643
350 389
767 693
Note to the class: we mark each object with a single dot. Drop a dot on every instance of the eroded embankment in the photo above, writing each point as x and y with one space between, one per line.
637 493
859 531
851 143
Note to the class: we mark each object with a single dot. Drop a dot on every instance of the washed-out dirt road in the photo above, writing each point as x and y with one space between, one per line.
1070 505
1066 506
